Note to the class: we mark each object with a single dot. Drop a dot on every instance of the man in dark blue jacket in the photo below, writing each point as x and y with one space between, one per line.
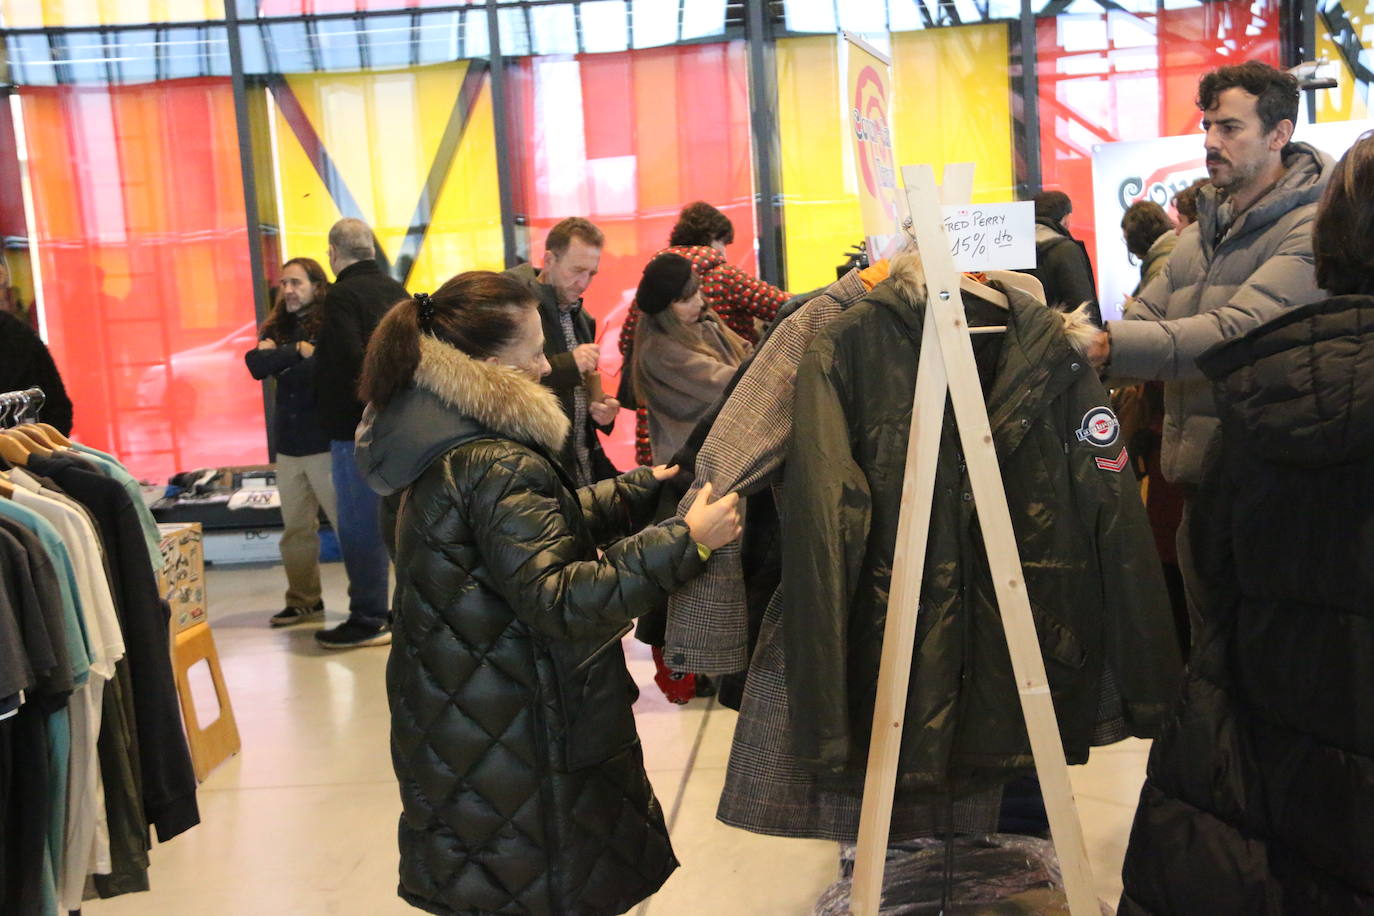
362 293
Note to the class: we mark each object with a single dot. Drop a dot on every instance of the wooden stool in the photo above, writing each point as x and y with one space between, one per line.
182 580
215 743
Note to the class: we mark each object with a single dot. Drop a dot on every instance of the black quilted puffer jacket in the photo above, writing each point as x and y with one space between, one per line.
1260 794
521 773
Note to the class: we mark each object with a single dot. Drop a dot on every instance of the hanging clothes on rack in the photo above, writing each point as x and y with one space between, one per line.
39 670
766 790
115 755
1093 578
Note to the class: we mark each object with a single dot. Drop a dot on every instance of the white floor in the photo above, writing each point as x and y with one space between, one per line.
303 821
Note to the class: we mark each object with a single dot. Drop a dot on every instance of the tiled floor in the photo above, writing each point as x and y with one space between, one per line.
303 821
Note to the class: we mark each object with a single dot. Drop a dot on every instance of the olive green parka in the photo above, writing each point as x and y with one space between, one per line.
1091 570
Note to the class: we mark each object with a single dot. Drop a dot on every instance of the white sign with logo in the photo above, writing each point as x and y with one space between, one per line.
1124 173
991 236
256 498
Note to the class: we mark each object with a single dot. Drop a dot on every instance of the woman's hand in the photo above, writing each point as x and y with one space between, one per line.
714 524
267 344
305 348
665 472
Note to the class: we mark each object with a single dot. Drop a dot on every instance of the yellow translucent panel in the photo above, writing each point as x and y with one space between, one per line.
466 232
820 197
1345 102
951 102
382 131
24 14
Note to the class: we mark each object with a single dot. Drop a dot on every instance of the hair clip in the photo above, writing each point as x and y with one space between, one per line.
425 306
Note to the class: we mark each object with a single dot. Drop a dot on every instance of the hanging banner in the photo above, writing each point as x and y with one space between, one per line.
868 121
1156 170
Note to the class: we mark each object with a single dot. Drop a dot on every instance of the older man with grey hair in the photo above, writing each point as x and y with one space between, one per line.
361 294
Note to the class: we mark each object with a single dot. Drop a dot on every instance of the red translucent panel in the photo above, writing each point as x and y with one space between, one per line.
11 190
143 250
626 140
1113 76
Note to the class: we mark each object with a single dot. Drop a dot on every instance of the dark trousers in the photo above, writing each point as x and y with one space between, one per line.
1187 567
360 538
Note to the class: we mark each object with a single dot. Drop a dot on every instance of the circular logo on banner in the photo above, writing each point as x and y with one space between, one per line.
1100 427
871 125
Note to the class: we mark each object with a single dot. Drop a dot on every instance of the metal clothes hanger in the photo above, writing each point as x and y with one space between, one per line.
14 446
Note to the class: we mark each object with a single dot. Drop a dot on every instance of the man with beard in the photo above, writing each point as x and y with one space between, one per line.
1246 260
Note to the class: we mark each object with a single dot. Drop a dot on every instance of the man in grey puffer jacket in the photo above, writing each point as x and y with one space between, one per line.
1248 258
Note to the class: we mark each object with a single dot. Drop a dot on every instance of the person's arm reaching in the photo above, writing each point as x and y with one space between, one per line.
755 297
1168 350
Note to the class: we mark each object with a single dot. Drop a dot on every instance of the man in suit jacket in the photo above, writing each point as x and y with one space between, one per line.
572 255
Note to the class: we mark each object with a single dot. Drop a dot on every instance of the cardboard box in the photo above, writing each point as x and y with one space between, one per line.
244 545
182 577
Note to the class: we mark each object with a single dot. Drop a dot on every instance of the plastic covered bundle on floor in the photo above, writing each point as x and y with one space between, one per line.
1001 874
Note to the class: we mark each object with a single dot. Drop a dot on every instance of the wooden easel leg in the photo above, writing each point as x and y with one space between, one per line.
899 633
946 339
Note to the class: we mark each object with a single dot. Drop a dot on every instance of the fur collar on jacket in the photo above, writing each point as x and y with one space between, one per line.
502 399
910 279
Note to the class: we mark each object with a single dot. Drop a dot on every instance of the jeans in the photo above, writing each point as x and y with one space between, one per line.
306 485
360 538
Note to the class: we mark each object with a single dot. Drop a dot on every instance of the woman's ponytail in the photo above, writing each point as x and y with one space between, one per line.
393 354
476 312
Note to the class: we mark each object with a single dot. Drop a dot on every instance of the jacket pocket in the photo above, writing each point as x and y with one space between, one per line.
596 695
1057 642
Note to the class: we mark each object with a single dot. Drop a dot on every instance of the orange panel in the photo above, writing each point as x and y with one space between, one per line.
143 245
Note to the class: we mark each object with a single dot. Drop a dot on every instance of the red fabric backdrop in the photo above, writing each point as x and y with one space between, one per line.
626 140
143 249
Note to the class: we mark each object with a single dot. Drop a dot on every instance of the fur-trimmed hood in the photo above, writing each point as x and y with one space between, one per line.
454 399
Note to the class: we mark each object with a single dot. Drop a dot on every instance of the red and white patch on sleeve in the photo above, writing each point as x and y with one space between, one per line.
1116 464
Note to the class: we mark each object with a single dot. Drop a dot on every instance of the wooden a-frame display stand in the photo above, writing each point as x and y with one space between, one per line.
947 368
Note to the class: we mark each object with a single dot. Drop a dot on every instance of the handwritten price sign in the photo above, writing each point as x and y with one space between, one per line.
991 236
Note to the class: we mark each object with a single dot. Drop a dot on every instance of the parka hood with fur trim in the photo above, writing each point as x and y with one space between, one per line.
454 399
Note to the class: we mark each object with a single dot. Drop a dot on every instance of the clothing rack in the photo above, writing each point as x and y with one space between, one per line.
947 370
19 405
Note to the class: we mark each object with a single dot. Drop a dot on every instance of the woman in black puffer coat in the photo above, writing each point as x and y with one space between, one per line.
1260 795
521 773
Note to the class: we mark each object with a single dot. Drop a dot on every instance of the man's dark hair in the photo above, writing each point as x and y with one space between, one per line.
1343 235
1053 205
574 227
1143 223
1276 92
700 223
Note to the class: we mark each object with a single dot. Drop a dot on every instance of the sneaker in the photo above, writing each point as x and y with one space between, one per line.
289 616
353 635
